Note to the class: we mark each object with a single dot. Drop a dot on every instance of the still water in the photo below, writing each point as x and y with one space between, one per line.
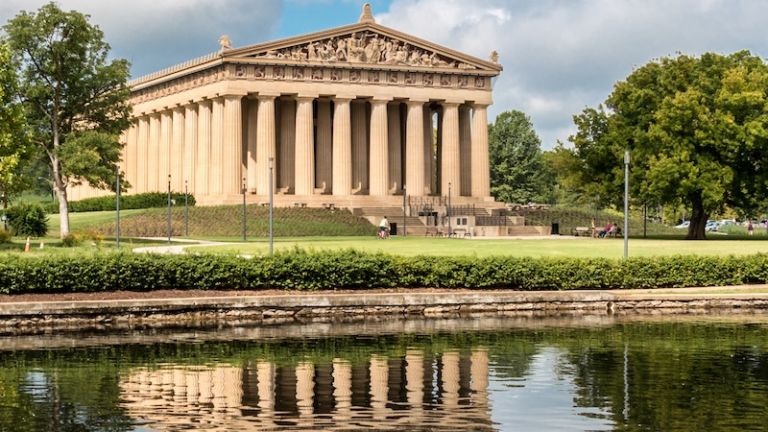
505 374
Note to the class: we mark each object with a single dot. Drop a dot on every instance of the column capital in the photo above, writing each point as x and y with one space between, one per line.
304 96
382 99
451 103
343 98
414 101
233 96
477 105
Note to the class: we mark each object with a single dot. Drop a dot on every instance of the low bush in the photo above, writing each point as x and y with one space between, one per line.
5 236
28 220
71 240
138 201
300 270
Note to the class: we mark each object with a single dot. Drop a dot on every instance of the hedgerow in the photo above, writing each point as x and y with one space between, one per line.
137 201
299 270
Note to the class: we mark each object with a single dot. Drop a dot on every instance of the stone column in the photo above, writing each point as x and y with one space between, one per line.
414 376
130 154
379 386
450 379
142 156
305 147
342 388
265 373
153 157
305 374
359 146
166 142
479 375
394 148
252 155
287 143
429 152
265 143
232 161
190 145
176 155
203 168
324 146
449 161
215 186
379 154
342 147
414 149
481 181
465 150
166 138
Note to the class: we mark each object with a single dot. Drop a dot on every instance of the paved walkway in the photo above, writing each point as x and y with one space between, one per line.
177 249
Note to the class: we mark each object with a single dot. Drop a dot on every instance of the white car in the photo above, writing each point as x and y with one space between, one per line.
685 224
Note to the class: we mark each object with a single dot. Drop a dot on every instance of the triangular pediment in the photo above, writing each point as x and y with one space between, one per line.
366 45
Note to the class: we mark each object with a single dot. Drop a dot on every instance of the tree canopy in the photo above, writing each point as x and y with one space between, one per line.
76 100
13 143
697 130
517 167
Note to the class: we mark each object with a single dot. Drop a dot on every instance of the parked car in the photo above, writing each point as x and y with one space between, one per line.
712 226
685 225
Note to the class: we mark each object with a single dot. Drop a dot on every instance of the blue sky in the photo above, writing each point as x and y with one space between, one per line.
559 56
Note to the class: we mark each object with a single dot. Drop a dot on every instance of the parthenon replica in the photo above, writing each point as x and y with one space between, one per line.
356 115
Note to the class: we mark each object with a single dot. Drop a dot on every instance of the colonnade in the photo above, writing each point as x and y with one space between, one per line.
339 145
267 392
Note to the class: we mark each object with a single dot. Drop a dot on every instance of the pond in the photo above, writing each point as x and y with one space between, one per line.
590 373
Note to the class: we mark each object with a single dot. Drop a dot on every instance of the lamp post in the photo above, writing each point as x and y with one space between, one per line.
186 208
243 191
169 209
626 204
405 203
117 209
448 212
271 204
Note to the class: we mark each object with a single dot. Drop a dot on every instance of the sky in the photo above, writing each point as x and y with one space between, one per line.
559 56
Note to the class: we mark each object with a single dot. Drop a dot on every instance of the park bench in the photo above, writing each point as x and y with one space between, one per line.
582 231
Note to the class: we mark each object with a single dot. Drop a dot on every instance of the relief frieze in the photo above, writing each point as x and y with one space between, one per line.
364 47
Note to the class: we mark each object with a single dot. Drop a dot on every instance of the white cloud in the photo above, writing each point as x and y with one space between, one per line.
153 34
560 56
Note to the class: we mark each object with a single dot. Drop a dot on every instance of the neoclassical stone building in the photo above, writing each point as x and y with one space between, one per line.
354 116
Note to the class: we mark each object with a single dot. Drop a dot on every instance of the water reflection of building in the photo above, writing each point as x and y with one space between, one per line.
415 390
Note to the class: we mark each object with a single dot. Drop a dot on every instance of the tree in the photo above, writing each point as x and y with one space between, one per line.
697 130
75 99
517 167
13 148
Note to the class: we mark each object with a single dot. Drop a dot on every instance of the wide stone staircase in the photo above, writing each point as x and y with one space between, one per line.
412 224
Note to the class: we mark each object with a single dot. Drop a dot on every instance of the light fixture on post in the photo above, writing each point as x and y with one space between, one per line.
271 203
626 204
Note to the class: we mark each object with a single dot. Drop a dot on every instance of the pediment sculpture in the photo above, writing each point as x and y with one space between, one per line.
365 47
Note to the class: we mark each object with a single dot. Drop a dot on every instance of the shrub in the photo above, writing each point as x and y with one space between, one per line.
138 201
5 236
71 240
301 270
28 220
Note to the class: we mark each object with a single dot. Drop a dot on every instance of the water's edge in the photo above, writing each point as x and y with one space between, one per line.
20 318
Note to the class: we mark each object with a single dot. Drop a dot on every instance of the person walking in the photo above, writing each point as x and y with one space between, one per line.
750 228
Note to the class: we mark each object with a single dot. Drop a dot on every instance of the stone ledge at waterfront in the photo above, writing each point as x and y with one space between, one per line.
27 317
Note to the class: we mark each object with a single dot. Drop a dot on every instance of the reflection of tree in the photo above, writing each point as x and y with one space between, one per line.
674 377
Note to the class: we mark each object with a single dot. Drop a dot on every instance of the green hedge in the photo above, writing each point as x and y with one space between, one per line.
354 270
138 201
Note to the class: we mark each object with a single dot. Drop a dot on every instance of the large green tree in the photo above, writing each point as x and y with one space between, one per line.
76 99
518 172
13 143
697 131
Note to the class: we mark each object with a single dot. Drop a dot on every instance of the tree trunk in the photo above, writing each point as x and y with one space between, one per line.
61 193
698 219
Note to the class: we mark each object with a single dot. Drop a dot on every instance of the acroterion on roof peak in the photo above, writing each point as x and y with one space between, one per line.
367 15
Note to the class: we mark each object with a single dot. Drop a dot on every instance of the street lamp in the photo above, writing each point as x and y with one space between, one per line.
117 209
449 210
169 209
186 208
626 204
271 203
405 203
244 191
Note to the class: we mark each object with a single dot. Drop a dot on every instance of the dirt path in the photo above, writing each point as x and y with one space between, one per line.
177 249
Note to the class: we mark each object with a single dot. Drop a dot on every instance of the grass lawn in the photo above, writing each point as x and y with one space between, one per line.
548 247
80 221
